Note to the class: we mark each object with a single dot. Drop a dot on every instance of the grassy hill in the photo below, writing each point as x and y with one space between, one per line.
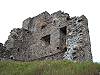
48 68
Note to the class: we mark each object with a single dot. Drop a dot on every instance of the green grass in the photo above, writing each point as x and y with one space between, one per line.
48 68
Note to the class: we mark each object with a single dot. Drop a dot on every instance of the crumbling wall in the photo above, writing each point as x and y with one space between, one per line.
78 40
4 54
54 36
18 44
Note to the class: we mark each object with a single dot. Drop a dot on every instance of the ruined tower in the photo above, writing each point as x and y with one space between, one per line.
54 36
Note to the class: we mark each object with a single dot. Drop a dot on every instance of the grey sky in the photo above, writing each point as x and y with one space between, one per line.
13 12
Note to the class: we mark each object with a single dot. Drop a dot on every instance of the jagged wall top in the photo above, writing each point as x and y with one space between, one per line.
43 19
51 36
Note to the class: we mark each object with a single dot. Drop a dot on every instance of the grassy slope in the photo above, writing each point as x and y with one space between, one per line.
48 68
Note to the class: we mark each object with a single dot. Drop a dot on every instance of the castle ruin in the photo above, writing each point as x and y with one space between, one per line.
47 36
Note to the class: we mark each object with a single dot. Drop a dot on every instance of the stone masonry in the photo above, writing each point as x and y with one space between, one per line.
47 36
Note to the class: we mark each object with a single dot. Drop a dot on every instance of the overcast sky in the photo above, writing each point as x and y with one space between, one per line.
13 12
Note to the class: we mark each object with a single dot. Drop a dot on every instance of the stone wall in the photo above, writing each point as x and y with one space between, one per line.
51 37
78 40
